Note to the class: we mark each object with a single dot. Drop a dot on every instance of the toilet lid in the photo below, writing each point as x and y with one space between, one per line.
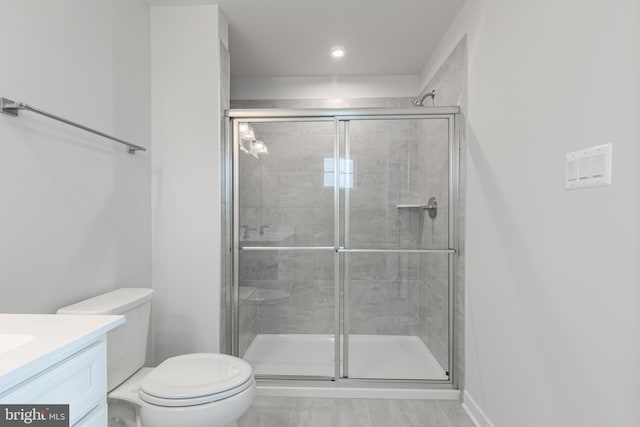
196 376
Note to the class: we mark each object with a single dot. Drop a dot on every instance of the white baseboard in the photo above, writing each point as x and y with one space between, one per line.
474 412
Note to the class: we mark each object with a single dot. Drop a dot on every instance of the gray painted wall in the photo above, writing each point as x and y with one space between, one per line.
76 218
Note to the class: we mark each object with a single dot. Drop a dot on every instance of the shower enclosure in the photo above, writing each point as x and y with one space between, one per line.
341 235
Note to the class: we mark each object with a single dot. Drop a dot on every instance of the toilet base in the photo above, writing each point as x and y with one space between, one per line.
122 414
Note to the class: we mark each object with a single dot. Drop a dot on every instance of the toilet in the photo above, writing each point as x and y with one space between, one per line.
191 390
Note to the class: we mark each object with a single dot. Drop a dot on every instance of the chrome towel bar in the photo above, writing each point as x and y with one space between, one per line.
12 108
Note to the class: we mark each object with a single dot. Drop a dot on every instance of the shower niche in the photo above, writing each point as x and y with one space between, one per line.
337 268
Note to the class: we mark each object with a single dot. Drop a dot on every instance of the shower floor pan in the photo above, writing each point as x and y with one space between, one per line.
370 356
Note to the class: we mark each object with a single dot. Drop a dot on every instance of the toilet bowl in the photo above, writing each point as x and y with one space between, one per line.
195 390
191 390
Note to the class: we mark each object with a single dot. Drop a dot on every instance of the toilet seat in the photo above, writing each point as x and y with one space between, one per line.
196 379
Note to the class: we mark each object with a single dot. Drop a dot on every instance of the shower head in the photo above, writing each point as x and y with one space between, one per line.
418 102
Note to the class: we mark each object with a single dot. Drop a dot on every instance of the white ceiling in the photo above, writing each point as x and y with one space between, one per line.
293 37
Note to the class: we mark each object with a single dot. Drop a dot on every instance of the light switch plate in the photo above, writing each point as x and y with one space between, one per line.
591 166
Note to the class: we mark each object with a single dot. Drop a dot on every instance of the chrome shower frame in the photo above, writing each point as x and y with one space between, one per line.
231 231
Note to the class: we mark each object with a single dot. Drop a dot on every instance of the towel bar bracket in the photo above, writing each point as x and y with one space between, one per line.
9 107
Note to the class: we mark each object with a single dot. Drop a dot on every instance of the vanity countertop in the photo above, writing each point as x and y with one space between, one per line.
30 343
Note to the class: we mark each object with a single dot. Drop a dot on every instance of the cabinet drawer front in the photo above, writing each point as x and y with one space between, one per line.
97 418
80 381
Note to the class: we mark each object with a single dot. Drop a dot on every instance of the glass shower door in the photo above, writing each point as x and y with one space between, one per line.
343 231
396 244
286 237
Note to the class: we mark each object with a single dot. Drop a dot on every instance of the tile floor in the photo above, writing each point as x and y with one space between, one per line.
322 412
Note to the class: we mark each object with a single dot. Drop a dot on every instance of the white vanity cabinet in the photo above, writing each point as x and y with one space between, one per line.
75 373
79 381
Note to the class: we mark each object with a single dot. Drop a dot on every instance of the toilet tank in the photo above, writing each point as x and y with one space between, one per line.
126 344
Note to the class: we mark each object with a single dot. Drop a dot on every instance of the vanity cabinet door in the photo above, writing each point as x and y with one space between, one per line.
80 381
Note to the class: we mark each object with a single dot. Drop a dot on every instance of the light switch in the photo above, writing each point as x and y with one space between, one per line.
597 165
584 168
572 170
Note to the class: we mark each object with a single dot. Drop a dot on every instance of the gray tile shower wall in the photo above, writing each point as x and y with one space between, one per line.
433 156
450 84
248 320
284 191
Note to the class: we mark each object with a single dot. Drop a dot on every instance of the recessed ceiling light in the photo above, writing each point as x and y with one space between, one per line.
337 52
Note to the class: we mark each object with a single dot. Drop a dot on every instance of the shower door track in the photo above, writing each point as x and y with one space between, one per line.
232 231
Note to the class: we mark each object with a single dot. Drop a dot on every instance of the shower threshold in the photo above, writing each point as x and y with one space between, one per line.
370 356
